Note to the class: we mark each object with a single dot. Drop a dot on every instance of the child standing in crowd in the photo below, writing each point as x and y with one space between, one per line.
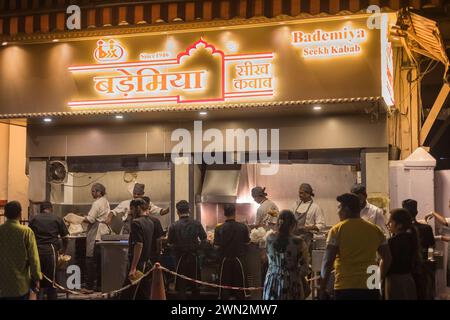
404 246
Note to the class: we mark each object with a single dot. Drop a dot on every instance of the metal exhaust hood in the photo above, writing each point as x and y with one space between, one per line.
221 184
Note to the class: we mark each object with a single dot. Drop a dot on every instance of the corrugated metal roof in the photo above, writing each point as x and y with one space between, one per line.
37 17
422 36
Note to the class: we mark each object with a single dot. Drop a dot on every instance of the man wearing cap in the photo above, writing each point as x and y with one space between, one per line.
184 235
97 219
369 212
123 208
266 215
307 212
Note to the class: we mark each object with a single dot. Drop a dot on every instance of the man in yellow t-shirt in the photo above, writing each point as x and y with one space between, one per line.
352 245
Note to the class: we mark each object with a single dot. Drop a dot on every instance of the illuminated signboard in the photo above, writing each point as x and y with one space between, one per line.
320 43
183 79
387 65
290 62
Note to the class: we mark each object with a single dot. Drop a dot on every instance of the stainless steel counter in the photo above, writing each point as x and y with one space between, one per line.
114 261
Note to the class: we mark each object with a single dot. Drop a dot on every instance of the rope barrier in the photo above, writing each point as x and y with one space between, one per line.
209 284
106 294
221 286
57 285
157 265
133 283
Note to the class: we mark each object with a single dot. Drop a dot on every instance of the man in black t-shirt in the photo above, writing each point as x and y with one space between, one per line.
426 236
232 238
139 252
424 276
49 229
158 233
184 235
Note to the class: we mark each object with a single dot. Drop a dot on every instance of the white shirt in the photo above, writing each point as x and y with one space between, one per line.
99 213
262 216
375 215
123 208
314 215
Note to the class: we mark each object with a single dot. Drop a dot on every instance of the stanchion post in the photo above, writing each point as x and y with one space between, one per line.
158 291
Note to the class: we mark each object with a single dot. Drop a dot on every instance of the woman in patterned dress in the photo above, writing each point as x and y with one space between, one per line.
288 261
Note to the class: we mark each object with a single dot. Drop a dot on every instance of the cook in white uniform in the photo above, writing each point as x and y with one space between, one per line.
369 212
97 227
308 213
123 208
266 215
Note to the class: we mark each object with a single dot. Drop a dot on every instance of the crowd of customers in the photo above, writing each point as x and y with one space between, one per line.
360 245
365 258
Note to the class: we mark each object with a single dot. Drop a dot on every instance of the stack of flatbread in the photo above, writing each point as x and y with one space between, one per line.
75 223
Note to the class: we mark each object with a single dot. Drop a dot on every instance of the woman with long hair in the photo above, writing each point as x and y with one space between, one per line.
405 251
288 261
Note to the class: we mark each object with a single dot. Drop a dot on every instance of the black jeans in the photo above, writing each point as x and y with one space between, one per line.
232 273
189 266
48 268
357 294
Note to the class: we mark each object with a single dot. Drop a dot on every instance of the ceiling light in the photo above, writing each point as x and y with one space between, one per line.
231 46
47 120
317 108
203 113
119 116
